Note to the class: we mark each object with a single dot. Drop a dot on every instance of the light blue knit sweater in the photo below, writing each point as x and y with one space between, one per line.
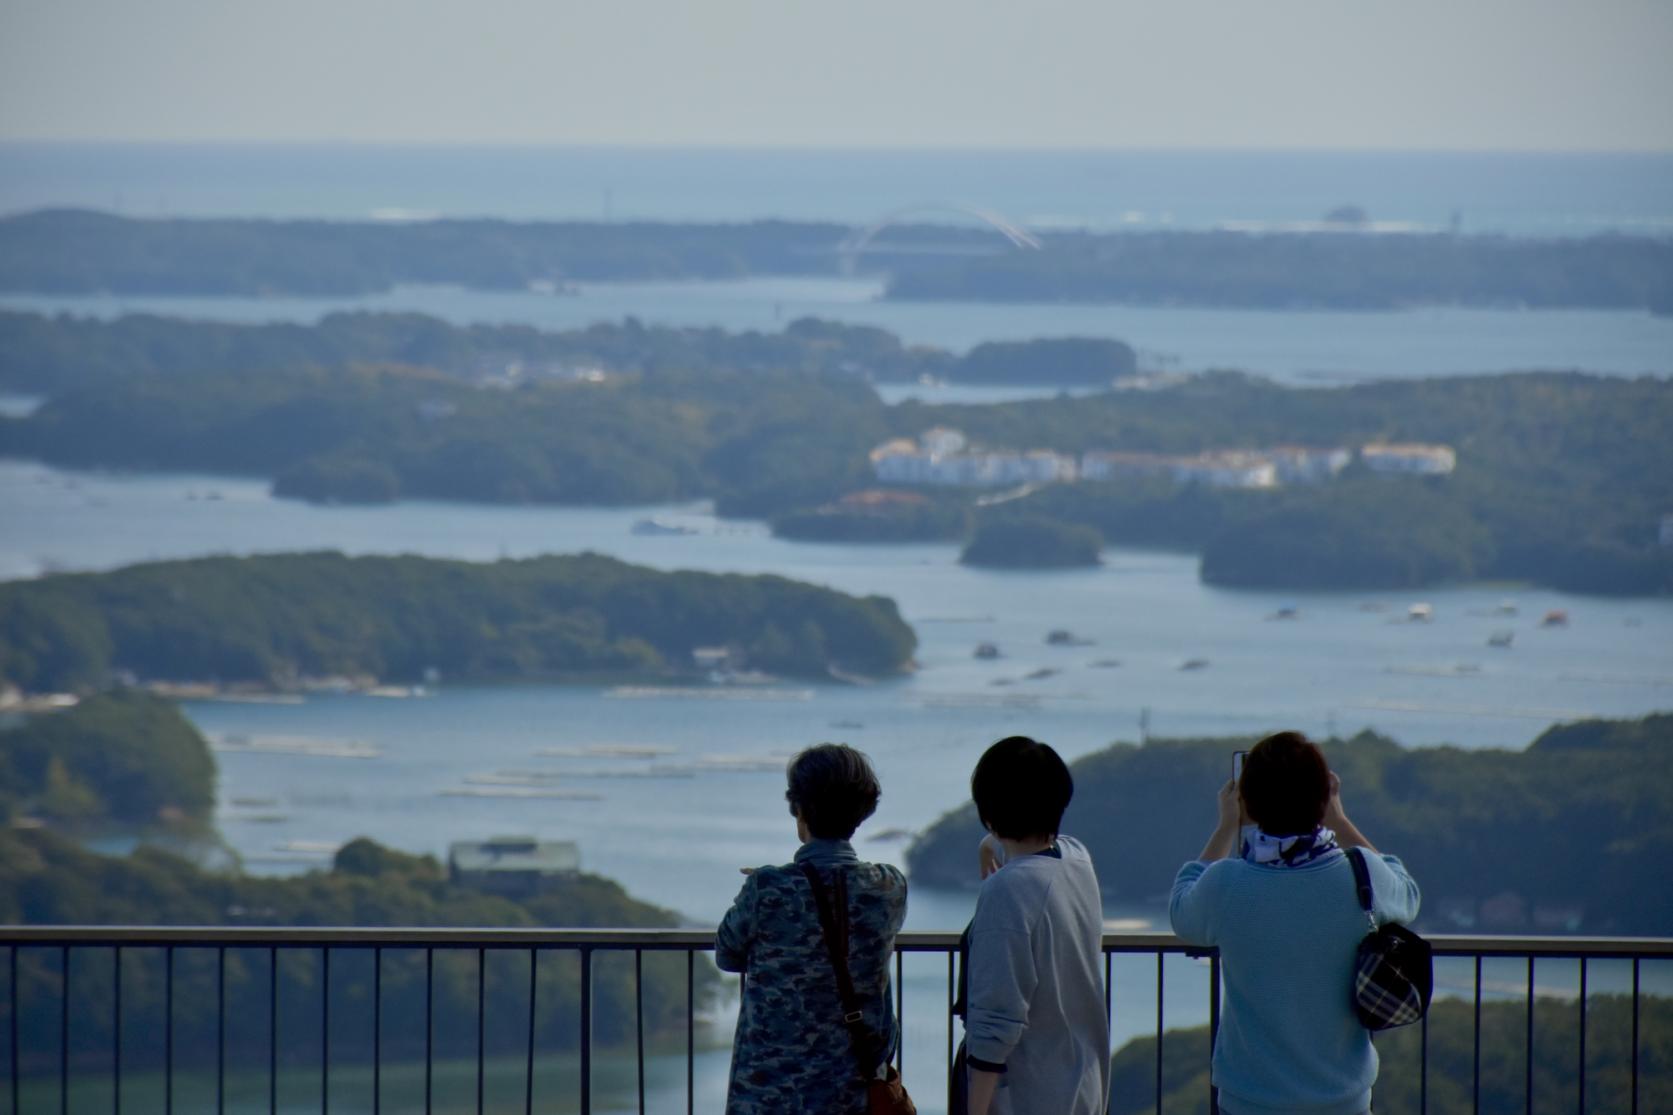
1289 1041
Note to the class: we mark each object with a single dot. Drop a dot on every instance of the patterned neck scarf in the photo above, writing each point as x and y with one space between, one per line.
1289 851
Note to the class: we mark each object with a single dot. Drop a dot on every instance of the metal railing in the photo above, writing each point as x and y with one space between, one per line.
47 953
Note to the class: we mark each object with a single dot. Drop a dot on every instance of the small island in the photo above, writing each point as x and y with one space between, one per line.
1032 543
289 621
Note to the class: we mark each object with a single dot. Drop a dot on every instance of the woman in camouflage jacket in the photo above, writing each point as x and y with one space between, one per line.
792 1055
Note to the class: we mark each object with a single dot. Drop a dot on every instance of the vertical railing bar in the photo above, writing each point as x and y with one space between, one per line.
691 1031
952 983
377 1030
220 1030
1528 1043
481 1017
900 1011
1475 1063
528 1071
1159 977
115 1032
17 1008
64 1031
429 1023
168 1030
639 1020
1423 1066
1635 1035
586 1030
1582 1035
325 1030
272 1030
1213 1026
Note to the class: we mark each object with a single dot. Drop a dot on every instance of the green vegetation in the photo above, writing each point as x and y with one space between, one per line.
1576 822
1022 542
1562 478
71 251
120 759
1504 1058
881 516
51 355
754 442
1309 270
277 619
1085 361
47 880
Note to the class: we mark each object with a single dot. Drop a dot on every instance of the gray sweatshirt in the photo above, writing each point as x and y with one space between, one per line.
1036 1003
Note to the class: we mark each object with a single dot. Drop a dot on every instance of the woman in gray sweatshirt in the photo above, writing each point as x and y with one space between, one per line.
1036 1035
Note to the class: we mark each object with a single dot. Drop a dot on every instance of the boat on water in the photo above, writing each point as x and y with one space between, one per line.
1420 613
1063 638
1194 664
1286 611
662 528
1501 639
1556 617
985 651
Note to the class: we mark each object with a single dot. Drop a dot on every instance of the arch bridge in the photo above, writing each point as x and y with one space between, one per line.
860 240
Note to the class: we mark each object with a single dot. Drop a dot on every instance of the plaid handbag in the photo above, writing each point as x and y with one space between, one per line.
1394 973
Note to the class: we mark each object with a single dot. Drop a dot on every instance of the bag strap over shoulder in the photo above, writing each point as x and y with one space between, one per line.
1362 884
833 923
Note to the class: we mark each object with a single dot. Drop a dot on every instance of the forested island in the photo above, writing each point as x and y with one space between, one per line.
281 621
82 252
120 760
52 355
1310 270
1561 836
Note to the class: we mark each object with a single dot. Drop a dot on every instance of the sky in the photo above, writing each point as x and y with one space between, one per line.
1319 74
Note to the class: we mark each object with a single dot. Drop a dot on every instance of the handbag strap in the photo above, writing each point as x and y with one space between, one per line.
1362 884
867 1045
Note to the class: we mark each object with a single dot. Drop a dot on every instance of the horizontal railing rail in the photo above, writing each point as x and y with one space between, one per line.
50 948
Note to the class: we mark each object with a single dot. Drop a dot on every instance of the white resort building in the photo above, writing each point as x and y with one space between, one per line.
944 457
1409 457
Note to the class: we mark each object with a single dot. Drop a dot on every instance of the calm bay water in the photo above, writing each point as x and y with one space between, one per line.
1302 348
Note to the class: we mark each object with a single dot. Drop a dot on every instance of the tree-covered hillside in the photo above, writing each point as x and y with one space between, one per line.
276 619
1310 270
47 880
119 759
1573 826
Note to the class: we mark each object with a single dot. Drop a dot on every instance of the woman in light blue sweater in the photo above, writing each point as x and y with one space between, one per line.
1278 900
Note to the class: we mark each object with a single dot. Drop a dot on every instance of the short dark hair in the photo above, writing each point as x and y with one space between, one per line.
1286 784
1021 788
833 788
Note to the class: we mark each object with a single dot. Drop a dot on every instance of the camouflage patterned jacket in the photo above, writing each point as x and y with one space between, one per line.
792 1054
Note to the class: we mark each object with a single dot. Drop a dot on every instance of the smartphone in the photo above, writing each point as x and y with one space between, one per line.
1237 765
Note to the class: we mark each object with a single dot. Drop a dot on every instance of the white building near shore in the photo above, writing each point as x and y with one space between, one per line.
1409 457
